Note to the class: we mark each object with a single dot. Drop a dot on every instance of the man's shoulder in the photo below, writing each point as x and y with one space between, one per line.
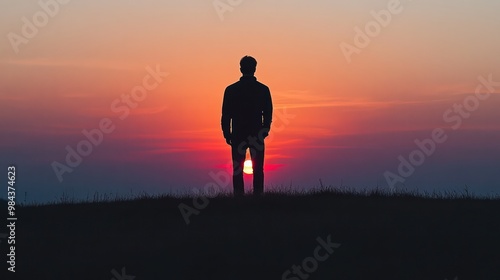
232 86
235 85
262 85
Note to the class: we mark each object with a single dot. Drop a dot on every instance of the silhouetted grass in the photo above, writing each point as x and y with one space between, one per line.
97 197
384 235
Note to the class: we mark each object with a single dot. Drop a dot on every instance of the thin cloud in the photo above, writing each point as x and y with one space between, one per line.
305 99
51 62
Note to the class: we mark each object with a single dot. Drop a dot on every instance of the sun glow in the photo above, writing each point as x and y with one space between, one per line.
247 167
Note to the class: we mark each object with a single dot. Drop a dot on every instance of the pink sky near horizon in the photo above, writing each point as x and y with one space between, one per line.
350 120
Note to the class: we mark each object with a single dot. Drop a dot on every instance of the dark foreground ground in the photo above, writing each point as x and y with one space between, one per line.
378 237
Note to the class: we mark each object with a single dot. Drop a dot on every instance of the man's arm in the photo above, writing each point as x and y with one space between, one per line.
267 113
226 116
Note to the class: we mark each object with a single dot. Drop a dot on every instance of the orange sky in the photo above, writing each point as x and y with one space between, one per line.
351 119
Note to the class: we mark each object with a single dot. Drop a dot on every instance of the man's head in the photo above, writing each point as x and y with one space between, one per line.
248 65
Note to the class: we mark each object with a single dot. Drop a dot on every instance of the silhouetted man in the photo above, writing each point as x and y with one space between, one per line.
247 112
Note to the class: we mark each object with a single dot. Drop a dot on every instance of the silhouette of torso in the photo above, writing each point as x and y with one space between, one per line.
248 104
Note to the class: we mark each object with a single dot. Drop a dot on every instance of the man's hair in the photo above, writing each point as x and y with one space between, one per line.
248 65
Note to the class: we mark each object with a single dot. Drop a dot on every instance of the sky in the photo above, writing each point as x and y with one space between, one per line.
367 94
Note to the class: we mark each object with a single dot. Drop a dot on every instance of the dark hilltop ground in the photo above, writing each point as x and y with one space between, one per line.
321 235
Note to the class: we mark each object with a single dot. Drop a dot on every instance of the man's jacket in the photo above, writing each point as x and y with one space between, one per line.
247 108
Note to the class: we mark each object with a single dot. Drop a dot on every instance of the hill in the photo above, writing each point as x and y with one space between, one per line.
312 236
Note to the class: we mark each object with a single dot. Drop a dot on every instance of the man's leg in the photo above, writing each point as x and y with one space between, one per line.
238 152
257 154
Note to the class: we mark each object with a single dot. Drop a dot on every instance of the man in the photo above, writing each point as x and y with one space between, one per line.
247 112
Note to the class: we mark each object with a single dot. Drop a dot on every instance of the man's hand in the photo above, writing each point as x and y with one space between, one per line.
264 133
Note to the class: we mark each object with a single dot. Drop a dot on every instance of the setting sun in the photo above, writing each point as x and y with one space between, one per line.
247 167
